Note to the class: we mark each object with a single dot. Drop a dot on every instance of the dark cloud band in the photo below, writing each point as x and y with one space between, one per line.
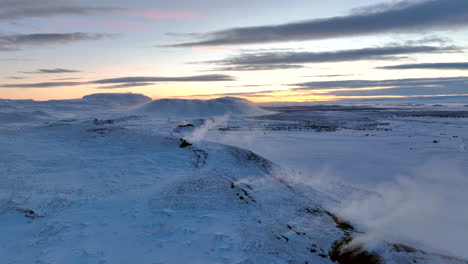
395 83
252 61
199 78
404 16
125 81
18 9
435 66
14 42
49 71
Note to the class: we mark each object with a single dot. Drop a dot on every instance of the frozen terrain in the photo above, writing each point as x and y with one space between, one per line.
119 178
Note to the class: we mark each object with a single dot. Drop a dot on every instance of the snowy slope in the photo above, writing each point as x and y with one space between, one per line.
109 187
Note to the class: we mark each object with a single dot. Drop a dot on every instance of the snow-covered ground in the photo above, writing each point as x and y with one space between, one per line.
115 178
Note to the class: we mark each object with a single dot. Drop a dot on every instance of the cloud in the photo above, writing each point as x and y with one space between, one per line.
405 91
66 79
47 38
411 82
57 70
120 69
436 66
282 59
429 40
262 67
106 23
359 88
19 9
23 9
125 81
16 78
152 13
329 75
395 87
199 78
217 48
251 85
398 17
125 85
40 85
12 42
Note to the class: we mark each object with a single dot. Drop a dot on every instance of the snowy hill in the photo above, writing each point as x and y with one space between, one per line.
201 108
122 99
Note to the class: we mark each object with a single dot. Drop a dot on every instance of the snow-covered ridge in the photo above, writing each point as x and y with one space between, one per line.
139 104
124 99
201 108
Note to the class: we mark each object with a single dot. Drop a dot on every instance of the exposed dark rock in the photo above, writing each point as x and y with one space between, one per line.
314 211
340 223
184 143
344 253
405 248
103 122
28 213
186 125
295 231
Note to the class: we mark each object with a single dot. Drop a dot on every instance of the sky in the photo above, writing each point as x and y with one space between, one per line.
282 50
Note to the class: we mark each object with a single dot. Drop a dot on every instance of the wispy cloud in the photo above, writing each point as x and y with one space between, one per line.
415 87
436 66
252 85
139 79
406 91
217 48
123 69
49 71
16 78
393 87
261 67
403 16
411 82
329 75
14 42
125 85
66 79
152 13
108 24
429 40
249 61
41 85
55 10
18 9
125 81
